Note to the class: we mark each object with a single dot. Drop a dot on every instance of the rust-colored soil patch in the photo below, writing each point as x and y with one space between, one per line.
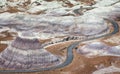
2 47
8 36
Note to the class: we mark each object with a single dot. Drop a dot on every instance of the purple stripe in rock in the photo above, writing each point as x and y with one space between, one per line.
19 55
26 44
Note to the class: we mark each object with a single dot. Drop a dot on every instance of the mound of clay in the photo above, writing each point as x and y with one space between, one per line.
99 49
27 53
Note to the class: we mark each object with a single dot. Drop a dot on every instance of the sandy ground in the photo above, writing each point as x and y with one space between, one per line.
8 36
80 63
26 4
113 40
2 47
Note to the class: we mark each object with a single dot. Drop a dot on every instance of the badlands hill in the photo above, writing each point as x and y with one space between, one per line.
57 24
27 5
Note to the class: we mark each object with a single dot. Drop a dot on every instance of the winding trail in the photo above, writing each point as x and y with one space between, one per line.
70 55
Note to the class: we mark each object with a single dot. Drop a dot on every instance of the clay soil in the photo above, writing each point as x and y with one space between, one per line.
26 6
80 63
8 36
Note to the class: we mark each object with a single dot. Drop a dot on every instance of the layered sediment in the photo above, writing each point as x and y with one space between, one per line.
98 49
26 53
